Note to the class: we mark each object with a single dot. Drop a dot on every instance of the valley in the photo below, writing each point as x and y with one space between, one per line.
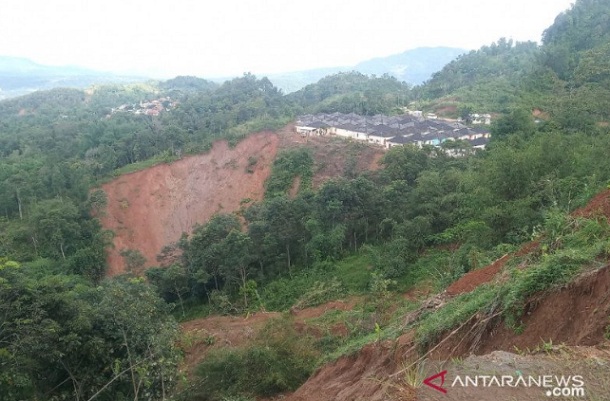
191 240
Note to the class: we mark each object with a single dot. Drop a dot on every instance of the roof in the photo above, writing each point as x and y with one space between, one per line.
479 142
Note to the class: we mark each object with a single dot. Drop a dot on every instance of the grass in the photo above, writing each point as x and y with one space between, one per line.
364 328
354 273
380 316
192 310
323 282
574 245
414 374
459 310
279 360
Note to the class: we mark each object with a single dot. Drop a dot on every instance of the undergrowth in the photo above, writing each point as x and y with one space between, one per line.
324 282
287 166
567 246
279 360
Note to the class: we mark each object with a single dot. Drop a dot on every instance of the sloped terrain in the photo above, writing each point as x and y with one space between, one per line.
151 208
564 334
563 331
204 334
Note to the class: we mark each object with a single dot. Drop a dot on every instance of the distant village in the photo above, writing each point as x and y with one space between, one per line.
149 108
389 131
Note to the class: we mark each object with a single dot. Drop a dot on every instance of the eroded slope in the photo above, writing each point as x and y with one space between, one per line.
151 208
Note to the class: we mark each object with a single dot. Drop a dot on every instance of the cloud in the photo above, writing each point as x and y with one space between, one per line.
228 37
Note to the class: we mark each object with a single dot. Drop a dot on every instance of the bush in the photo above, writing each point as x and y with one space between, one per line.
279 360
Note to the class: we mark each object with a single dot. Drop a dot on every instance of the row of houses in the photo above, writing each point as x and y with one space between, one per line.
391 131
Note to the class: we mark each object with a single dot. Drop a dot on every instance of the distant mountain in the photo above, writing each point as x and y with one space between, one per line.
19 76
412 66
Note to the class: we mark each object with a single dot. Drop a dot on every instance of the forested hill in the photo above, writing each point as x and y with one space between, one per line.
566 76
490 77
353 91
424 219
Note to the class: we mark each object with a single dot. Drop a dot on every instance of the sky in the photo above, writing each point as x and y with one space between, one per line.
220 38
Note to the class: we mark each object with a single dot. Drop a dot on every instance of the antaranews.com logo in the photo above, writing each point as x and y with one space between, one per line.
551 385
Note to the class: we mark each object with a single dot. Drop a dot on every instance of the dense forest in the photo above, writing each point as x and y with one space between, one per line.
565 77
66 332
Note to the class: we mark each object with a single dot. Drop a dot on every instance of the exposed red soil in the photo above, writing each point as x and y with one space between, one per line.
354 377
577 314
333 155
295 187
151 208
598 206
199 336
317 311
471 280
475 278
540 114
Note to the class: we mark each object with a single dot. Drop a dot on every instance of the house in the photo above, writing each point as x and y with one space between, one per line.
481 119
313 128
479 143
390 131
399 140
350 130
379 134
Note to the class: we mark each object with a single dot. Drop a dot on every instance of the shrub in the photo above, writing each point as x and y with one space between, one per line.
279 360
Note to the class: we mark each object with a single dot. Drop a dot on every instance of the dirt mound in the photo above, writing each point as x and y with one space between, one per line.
151 208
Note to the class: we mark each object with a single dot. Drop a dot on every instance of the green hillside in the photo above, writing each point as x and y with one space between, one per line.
423 220
565 76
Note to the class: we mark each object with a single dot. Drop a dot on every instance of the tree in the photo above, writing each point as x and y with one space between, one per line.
517 122
172 282
61 338
237 249
56 227
134 260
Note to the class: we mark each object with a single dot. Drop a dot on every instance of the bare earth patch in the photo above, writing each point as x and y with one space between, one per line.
150 209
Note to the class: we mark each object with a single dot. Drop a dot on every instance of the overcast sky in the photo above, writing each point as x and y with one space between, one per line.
229 37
